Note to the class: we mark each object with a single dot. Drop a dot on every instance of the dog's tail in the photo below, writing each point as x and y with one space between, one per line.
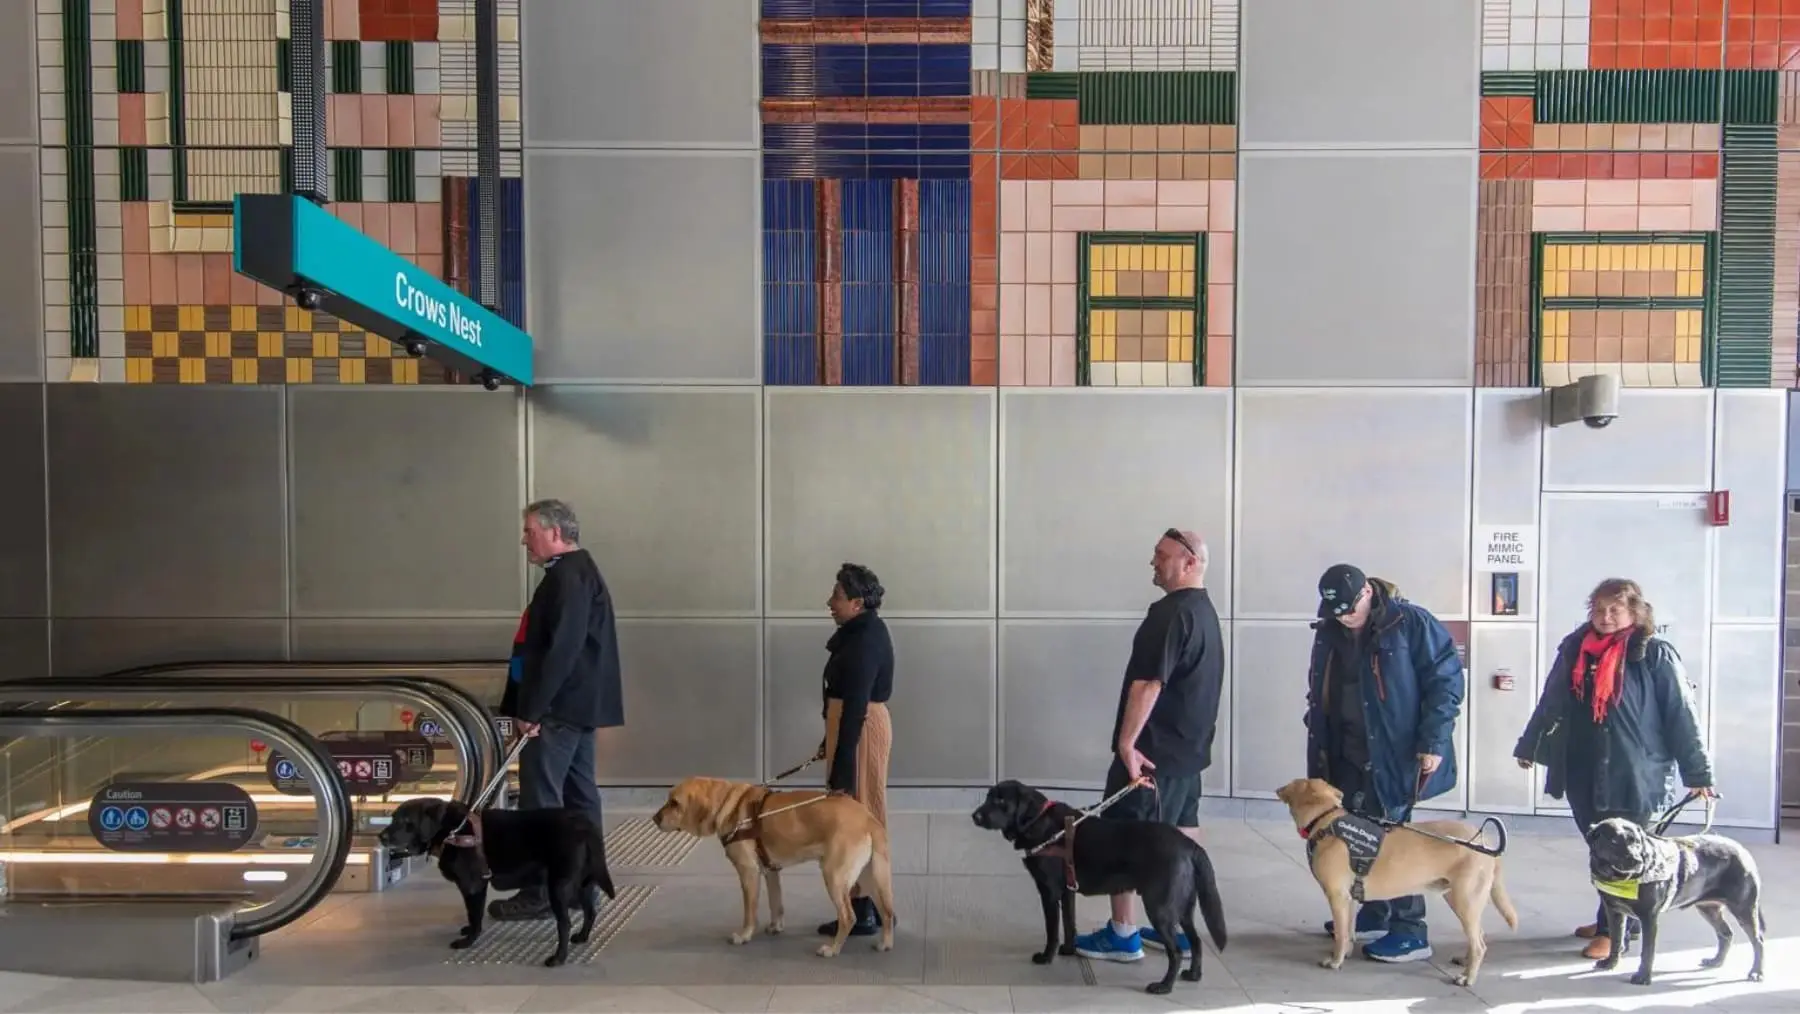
1502 904
597 870
1212 911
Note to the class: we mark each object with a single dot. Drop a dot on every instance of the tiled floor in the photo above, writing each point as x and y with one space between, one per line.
968 921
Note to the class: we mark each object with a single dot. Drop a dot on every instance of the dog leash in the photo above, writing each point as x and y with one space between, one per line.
493 785
1661 827
1096 810
1473 843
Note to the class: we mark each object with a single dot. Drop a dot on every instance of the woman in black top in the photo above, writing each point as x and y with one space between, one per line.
859 679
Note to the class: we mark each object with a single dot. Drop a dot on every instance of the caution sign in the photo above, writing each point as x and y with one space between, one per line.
367 768
412 751
431 727
172 817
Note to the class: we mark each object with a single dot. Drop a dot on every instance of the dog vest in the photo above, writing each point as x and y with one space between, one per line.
1666 858
1064 849
1362 838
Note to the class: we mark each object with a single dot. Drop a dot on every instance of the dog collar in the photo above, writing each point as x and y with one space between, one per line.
1306 832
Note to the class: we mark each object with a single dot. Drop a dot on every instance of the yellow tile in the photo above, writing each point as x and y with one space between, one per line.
350 371
298 319
193 371
137 318
137 370
377 347
163 344
299 371
190 318
325 345
243 371
218 345
269 343
406 371
243 318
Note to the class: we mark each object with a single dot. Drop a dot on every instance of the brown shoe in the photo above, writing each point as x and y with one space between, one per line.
1588 932
1598 949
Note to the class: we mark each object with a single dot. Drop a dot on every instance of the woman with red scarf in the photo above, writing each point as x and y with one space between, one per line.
1615 722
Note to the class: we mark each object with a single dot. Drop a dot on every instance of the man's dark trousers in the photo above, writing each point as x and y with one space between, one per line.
1405 916
556 769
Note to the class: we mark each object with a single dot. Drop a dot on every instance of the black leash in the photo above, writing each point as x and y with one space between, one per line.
1661 827
1473 843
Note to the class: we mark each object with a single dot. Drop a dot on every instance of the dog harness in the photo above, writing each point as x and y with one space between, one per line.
1668 857
1362 838
750 828
1063 847
469 840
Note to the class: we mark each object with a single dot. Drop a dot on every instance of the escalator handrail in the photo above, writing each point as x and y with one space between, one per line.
330 800
419 670
470 777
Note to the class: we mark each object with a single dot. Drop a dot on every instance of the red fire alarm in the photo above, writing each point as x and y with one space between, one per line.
1718 507
1503 679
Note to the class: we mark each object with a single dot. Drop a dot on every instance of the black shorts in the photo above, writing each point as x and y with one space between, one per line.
1175 799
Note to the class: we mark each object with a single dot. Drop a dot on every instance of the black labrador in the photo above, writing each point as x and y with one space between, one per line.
1163 866
1642 875
511 848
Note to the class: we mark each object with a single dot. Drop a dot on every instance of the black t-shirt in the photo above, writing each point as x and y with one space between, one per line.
1179 645
1350 726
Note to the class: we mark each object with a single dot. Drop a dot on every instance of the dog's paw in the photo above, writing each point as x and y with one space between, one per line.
1461 980
1711 962
1606 964
1332 962
1066 950
742 937
583 937
827 951
774 928
554 961
1190 975
1043 957
1159 988
462 943
1640 979
1754 976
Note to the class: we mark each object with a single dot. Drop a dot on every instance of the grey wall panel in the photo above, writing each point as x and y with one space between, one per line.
421 639
18 55
1380 252
1509 439
642 266
669 487
624 72
1059 690
1268 677
942 708
1376 478
25 646
1079 539
1496 718
167 501
1746 663
692 699
901 482
24 555
1413 80
1793 444
95 647
1661 441
406 502
1747 572
21 243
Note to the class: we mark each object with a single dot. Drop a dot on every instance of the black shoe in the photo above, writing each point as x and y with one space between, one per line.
868 922
526 906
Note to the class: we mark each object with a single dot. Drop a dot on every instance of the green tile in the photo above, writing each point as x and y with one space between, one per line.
1048 85
346 174
1742 355
1157 98
177 96
346 67
400 68
402 175
129 58
78 107
1629 96
1086 302
287 170
1513 83
134 174
284 65
1752 96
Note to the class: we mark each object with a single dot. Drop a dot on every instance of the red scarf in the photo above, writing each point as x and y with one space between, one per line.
1606 653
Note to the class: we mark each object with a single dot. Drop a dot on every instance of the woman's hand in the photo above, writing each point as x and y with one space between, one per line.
820 755
1705 793
1523 763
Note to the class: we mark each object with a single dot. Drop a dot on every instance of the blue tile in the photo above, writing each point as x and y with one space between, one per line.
870 294
789 71
800 9
790 297
944 340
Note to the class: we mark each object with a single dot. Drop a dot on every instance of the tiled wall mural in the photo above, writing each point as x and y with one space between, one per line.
166 109
955 192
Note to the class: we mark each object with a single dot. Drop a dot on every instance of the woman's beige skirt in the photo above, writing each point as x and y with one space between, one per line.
872 753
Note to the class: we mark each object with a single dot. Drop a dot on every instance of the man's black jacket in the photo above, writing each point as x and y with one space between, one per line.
571 650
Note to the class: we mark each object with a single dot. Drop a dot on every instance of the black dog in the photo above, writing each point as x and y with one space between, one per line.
512 848
1642 875
1165 867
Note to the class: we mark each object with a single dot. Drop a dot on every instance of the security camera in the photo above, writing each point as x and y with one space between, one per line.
308 298
1593 399
490 380
415 347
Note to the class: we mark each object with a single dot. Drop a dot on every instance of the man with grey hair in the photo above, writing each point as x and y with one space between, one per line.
563 680
1168 710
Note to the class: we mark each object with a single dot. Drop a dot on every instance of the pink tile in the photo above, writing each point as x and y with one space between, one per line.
1222 201
1012 360
1219 310
190 279
1077 192
350 213
1666 192
430 230
1611 218
1218 362
1130 218
1180 218
343 120
433 263
428 130
1062 361
401 123
342 20
403 229
1012 205
1065 260
266 296
1037 257
163 289
1012 309
243 290
137 279
375 222
1037 205
134 216
1611 193
1706 204
1087 218
1012 257
132 127
1037 310
1130 193
1652 217
374 121
130 19
1037 361
1558 193
1062 310
1183 193
1221 256
1557 219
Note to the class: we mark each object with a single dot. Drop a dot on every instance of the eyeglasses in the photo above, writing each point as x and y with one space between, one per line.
1175 536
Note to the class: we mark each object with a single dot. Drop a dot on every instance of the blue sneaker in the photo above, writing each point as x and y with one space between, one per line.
1105 945
1151 939
1398 947
1369 928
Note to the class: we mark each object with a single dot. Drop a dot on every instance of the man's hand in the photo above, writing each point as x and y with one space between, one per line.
1135 763
528 729
1428 762
1706 793
820 755
1523 763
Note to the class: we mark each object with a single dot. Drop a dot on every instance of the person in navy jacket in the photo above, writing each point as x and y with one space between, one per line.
1383 693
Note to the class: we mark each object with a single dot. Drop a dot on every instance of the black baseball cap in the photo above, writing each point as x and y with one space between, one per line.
1339 587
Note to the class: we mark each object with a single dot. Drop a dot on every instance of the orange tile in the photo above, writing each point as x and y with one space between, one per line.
429 226
1037 166
1654 29
1625 166
1652 165
137 279
1065 112
1493 167
243 290
134 216
375 222
1600 167
1706 166
1493 138
216 277
984 270
1063 166
984 373
1681 165
190 279
163 289
1013 167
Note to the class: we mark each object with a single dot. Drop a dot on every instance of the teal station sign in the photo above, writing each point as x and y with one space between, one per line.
290 243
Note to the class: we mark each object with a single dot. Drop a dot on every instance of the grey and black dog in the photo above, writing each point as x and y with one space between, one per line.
1642 875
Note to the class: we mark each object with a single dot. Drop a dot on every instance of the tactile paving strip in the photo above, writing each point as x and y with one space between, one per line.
637 843
529 943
